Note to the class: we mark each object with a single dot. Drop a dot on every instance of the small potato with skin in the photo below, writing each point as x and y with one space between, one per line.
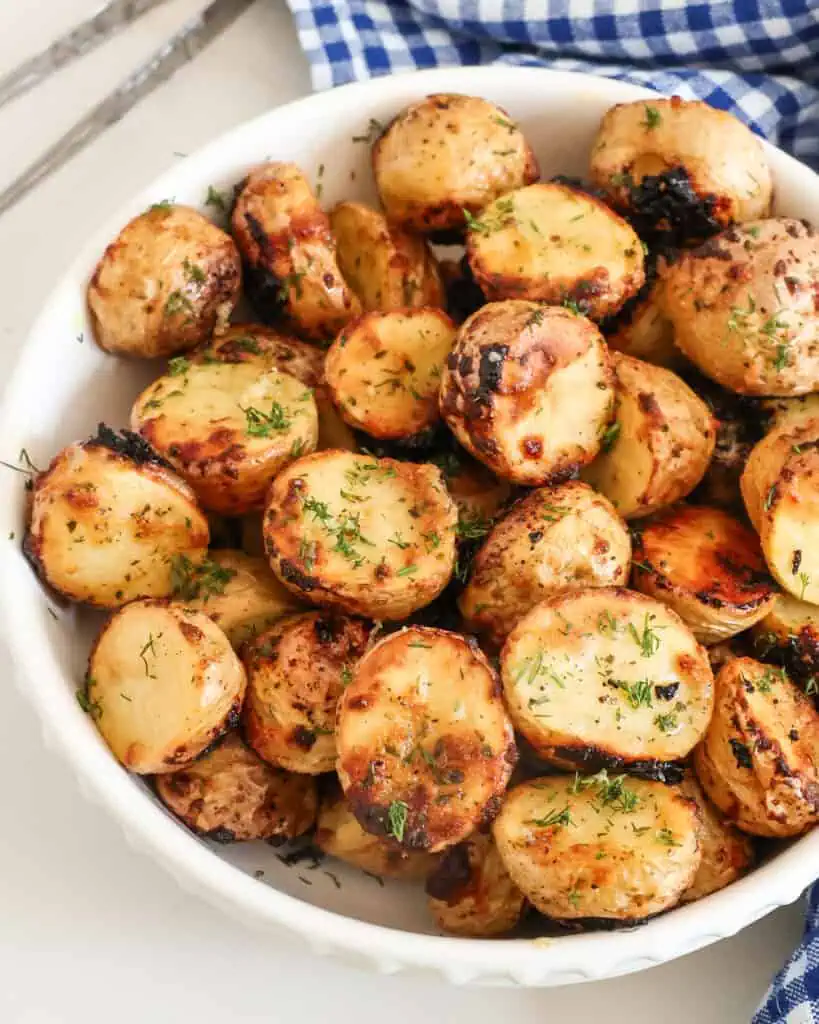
758 760
107 520
660 445
375 537
289 252
644 332
296 671
439 158
478 494
555 538
528 390
167 282
790 630
425 748
163 683
230 795
599 847
553 243
787 413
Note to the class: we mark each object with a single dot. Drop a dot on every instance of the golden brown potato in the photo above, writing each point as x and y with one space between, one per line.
702 167
387 267
375 537
445 155
599 846
425 748
384 371
758 760
786 413
791 631
555 244
726 852
527 389
227 428
705 565
163 683
108 519
296 671
479 494
167 282
555 538
231 794
660 444
742 307
645 333
290 254
606 676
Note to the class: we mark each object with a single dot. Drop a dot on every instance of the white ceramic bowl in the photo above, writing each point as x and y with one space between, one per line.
63 387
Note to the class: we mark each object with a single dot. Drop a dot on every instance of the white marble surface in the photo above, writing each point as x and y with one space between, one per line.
90 931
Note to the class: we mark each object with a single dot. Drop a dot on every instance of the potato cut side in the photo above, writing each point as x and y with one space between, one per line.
373 536
163 683
708 567
108 519
606 676
599 846
231 794
556 244
227 428
384 371
425 748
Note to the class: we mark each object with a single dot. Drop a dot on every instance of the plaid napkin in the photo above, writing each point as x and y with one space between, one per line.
757 58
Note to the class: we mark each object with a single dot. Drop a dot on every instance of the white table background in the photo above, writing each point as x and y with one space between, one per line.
91 932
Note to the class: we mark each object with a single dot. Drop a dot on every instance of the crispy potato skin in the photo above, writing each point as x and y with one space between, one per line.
553 243
104 527
387 267
758 760
231 794
646 333
707 566
785 414
425 748
438 157
662 446
163 683
527 389
555 538
167 282
290 254
742 307
384 371
605 676
227 429
375 537
724 161
470 893
594 847
296 672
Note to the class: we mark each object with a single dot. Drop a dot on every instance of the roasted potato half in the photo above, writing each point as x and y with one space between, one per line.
163 683
384 371
425 748
644 332
470 892
108 518
375 537
556 244
606 676
387 267
227 428
296 671
555 538
528 390
478 494
742 307
790 631
707 566
167 282
680 168
231 794
758 760
284 236
599 846
660 444
440 157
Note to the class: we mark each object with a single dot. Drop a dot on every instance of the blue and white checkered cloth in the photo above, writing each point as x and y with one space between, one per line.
757 58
